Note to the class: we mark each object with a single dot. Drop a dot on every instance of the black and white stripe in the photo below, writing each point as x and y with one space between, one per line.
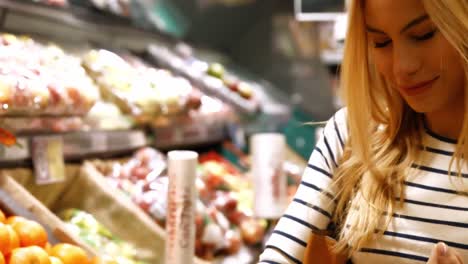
395 254
319 150
456 208
432 210
314 187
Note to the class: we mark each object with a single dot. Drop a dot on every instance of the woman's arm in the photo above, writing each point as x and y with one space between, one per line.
313 204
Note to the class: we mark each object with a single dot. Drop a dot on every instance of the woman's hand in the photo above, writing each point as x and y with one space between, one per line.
442 254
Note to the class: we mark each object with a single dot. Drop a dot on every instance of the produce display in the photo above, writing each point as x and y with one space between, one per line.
45 89
224 221
23 241
85 226
242 88
107 116
138 89
37 80
212 78
232 82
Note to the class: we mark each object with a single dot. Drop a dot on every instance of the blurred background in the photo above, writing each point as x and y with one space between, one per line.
94 93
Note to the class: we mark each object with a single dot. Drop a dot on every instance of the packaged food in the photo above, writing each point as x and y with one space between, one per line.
38 80
138 89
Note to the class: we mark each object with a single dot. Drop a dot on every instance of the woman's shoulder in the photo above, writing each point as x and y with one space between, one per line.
341 116
338 123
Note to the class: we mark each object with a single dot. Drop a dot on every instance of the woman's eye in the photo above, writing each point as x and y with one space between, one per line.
381 44
425 36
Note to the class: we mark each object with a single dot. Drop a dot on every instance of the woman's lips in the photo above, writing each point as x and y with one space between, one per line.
418 88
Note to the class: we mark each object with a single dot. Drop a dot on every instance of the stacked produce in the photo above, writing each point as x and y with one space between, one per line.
234 84
224 221
107 116
138 89
23 241
97 236
38 79
228 198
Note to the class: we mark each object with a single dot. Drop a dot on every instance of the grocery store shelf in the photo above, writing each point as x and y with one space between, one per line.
75 17
80 145
210 85
189 135
79 21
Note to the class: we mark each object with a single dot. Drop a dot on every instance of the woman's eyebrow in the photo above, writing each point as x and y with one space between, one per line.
415 22
412 23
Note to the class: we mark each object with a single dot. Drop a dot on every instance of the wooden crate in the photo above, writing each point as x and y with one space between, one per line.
86 189
16 200
145 231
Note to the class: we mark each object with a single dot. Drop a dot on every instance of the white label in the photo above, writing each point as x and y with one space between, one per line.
270 182
181 202
47 155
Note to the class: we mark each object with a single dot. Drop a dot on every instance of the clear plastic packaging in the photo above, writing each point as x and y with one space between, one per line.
38 80
137 89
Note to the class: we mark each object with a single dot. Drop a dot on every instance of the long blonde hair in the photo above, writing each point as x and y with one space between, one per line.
385 133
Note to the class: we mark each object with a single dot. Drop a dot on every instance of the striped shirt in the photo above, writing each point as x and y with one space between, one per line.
432 209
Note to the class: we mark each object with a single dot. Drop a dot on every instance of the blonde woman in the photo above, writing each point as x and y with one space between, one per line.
391 168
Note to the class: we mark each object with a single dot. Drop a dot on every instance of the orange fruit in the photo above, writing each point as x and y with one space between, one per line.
103 260
8 239
30 233
2 218
69 254
40 253
29 255
48 247
13 219
55 260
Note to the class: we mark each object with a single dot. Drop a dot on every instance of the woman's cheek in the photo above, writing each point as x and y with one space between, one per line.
383 64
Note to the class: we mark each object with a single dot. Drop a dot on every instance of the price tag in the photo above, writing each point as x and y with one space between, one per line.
47 155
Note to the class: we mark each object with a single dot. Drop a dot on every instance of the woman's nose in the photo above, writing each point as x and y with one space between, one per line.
406 63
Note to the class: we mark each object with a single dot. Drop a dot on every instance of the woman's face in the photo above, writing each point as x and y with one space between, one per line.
413 56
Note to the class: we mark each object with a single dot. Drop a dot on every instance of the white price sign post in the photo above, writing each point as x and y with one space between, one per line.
181 202
269 180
